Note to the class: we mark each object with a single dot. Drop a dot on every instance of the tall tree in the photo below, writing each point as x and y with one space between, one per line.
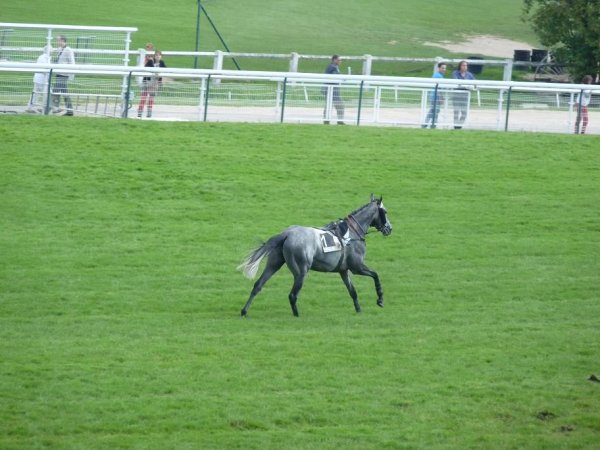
571 28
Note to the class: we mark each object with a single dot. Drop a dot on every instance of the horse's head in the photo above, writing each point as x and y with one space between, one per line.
373 214
380 220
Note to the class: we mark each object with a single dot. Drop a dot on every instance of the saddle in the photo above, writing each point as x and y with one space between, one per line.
340 229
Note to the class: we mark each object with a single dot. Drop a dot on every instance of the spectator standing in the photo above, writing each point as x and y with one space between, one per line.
151 84
581 103
40 84
435 98
460 98
338 103
148 53
64 56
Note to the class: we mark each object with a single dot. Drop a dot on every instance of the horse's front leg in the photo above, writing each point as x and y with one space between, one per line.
346 278
364 270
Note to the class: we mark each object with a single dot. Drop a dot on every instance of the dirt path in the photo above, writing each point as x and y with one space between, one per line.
484 45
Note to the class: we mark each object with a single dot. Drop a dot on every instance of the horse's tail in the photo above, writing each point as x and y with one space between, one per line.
249 266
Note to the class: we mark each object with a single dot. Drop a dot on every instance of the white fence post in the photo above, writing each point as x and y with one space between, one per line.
328 104
218 61
126 78
218 64
294 62
508 67
367 63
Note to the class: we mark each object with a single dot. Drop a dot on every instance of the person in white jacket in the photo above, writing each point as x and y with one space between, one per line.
64 56
39 96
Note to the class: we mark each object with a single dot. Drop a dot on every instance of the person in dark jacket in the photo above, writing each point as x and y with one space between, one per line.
151 84
460 98
435 98
338 103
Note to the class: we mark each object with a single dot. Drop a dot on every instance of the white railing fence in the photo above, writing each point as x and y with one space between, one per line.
222 95
22 42
90 44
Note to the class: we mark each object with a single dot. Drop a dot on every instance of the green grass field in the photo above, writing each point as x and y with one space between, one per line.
382 28
119 298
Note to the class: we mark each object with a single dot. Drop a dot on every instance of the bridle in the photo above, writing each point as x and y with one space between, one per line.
355 226
383 227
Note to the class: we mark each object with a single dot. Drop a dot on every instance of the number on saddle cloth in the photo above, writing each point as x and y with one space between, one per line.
334 236
329 242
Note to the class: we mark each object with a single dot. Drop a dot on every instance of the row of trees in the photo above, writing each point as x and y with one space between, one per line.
571 28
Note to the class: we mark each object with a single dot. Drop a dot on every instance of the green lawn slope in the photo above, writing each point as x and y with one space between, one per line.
119 298
384 28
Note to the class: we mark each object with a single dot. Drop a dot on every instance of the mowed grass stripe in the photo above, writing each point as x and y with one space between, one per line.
119 298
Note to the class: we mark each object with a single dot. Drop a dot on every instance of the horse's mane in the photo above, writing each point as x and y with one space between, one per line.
357 210
334 223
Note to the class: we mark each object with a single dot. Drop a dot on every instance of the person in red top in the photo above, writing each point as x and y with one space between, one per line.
581 105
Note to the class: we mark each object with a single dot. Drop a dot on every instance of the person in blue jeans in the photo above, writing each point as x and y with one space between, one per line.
460 98
435 98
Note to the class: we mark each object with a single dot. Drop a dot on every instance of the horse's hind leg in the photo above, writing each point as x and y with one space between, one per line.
299 269
346 278
298 282
274 263
298 261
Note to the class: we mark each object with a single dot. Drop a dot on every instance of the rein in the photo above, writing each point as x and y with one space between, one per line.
353 224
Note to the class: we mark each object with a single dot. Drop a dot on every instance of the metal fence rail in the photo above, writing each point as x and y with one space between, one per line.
221 95
21 42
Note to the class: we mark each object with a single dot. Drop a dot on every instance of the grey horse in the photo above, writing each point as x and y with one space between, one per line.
337 247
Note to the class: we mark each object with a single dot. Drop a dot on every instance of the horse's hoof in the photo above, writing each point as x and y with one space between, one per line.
243 313
380 303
